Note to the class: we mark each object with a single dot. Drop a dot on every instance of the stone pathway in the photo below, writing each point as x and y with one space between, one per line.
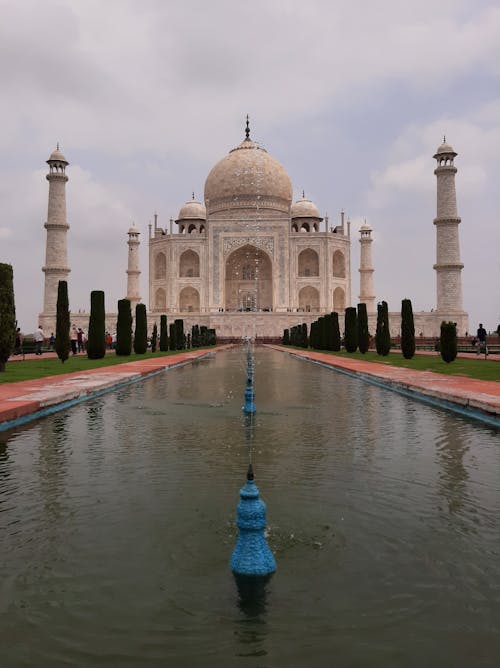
468 394
20 400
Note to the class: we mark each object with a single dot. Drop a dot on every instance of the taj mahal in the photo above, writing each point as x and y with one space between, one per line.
248 261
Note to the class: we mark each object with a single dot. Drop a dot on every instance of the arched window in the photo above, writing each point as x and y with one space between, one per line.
338 264
308 263
160 300
189 264
338 300
160 265
189 300
309 299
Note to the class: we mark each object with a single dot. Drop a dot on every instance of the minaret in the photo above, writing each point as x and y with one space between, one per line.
366 291
448 266
133 271
56 253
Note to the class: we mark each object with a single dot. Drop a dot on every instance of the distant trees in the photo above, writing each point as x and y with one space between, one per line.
96 342
163 333
7 314
382 336
363 334
351 330
124 328
62 344
448 341
407 330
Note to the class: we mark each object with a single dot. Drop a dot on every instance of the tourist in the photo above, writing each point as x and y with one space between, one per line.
39 338
73 339
52 340
79 339
109 341
481 340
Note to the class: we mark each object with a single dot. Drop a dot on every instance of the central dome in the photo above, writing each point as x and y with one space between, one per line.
248 178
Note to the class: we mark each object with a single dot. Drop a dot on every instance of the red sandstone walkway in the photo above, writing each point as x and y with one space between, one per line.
30 396
482 395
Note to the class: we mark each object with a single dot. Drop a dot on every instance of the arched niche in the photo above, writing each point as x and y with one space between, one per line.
189 264
189 300
309 299
248 280
160 265
338 264
160 300
338 300
308 263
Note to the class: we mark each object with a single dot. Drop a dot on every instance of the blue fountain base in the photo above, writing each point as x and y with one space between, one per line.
252 555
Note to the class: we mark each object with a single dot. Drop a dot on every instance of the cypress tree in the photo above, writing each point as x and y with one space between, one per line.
179 334
203 336
163 333
303 336
336 332
154 338
286 337
141 330
62 344
172 343
124 328
7 314
329 331
407 330
96 344
212 337
313 335
382 336
448 341
363 334
322 333
351 329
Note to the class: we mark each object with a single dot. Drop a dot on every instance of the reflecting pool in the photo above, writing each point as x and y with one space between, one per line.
117 522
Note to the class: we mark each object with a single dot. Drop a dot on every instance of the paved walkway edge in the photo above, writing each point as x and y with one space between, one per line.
85 395
475 410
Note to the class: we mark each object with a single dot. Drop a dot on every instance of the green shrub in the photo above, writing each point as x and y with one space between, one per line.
351 330
163 333
7 314
96 343
448 341
124 328
407 330
141 330
363 333
335 332
179 334
62 344
382 336
154 338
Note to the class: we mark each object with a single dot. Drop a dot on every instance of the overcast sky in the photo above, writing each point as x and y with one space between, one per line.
352 97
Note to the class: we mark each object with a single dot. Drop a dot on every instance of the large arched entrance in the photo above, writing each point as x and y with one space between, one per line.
249 280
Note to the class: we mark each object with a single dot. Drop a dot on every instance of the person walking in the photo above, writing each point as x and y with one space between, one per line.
39 338
481 340
79 338
19 342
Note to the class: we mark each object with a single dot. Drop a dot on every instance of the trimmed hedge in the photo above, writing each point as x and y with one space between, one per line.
382 336
448 341
7 314
141 330
363 333
407 330
163 333
351 330
124 328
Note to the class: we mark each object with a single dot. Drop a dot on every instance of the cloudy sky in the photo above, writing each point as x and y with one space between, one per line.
352 97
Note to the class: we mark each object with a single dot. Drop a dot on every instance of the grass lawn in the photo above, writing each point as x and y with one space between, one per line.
473 368
45 366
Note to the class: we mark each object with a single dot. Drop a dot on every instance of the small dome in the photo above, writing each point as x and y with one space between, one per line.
445 148
133 230
193 210
57 156
365 227
304 208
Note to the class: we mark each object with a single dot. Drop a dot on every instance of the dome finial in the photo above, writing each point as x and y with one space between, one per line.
444 139
57 146
247 129
303 194
193 194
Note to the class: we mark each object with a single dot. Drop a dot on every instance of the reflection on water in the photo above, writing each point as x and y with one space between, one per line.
118 521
